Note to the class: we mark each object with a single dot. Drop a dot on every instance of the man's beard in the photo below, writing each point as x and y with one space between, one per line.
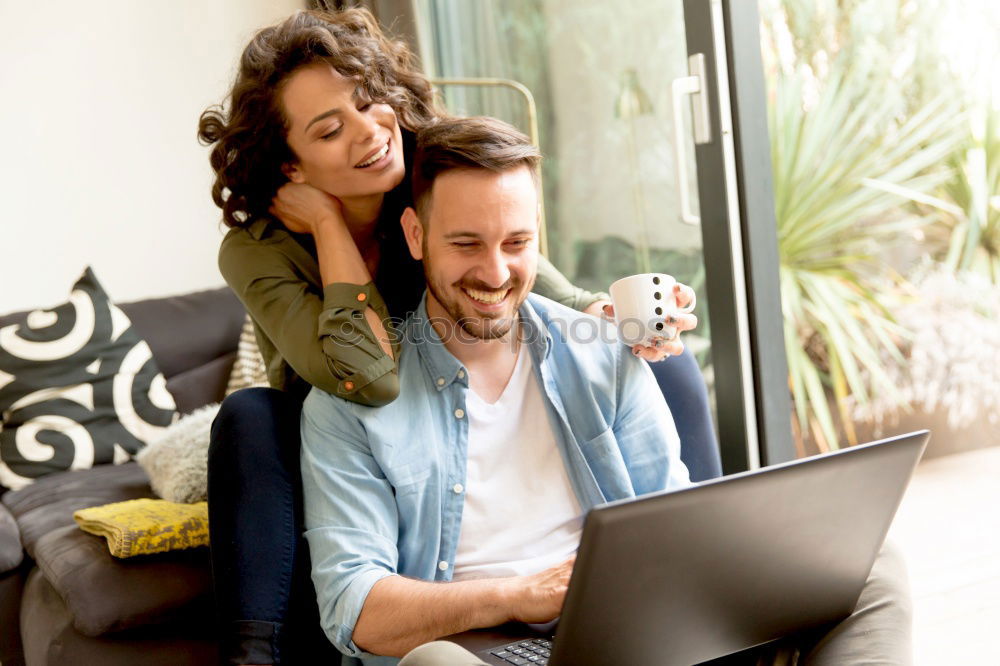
477 325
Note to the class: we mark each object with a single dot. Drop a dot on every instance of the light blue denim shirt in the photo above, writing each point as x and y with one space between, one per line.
383 486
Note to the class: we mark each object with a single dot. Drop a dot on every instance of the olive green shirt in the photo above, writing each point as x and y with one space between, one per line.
319 335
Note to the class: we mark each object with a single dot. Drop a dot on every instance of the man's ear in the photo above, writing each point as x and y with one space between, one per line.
413 230
293 172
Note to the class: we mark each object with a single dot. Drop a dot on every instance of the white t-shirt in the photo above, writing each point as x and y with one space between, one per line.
521 515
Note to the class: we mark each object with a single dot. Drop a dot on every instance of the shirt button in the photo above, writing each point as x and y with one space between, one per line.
362 297
459 413
461 374
458 488
442 565
440 381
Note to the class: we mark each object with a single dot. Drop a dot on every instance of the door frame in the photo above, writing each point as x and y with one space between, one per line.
739 239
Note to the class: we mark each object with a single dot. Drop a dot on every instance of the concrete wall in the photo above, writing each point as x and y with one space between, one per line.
99 161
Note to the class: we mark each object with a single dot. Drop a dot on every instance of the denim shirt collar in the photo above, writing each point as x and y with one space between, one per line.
442 366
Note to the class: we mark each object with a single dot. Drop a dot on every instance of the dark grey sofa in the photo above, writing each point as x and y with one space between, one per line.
151 610
65 601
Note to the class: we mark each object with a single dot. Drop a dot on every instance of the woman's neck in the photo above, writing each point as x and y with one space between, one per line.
361 218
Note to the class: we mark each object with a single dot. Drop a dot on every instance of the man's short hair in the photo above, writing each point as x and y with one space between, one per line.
477 142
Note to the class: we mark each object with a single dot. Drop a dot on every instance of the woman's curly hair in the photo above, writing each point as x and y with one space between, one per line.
249 136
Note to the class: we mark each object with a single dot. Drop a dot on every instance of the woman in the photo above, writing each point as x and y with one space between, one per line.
317 132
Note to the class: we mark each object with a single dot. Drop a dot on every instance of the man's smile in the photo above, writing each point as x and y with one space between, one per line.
492 299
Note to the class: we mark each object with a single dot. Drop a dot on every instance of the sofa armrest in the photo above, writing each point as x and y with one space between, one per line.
11 552
49 503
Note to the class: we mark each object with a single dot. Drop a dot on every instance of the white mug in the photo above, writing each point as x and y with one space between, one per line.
642 303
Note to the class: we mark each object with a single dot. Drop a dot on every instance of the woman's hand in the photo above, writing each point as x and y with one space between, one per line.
661 347
302 208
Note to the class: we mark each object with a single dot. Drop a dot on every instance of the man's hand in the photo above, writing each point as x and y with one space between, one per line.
539 597
401 613
302 208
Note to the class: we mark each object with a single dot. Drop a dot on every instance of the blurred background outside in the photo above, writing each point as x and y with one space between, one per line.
884 123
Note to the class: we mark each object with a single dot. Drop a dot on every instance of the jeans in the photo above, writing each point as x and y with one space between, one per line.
683 386
260 560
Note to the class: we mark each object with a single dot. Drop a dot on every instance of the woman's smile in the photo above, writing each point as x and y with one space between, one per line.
377 158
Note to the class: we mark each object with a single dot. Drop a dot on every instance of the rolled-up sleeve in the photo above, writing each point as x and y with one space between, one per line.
323 336
345 334
644 429
350 516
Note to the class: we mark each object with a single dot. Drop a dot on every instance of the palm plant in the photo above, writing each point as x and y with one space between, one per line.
968 204
841 169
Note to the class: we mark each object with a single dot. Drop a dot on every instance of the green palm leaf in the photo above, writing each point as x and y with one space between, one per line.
842 169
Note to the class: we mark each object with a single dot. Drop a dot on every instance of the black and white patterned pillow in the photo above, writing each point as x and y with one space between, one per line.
78 388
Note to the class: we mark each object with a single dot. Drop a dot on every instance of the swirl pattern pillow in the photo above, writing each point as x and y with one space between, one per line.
78 388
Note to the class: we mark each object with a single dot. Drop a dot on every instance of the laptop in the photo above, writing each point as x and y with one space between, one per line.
686 576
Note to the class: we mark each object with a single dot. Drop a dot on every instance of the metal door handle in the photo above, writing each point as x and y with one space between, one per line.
693 85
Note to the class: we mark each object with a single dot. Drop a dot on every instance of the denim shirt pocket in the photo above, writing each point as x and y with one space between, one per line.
601 446
409 473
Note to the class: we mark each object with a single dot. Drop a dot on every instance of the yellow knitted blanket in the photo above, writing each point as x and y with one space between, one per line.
146 526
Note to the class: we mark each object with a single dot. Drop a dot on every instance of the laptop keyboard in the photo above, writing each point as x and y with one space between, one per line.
534 651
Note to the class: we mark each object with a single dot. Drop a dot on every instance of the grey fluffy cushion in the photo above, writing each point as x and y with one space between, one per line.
177 462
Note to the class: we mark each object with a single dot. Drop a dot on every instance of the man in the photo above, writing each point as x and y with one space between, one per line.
460 504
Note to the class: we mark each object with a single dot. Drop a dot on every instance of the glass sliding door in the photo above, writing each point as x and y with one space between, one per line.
641 170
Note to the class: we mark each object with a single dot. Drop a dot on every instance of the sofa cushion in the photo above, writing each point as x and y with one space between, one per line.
49 503
10 541
190 331
50 638
202 385
105 594
78 388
